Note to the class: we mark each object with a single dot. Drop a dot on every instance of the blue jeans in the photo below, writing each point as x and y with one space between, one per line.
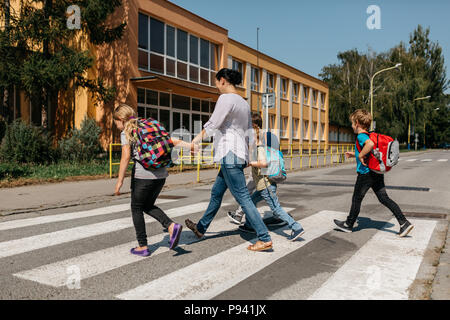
270 196
231 175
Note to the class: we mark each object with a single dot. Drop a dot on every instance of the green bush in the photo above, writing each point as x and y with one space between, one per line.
13 170
81 145
24 143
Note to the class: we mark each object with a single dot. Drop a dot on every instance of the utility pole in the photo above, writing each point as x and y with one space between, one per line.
257 64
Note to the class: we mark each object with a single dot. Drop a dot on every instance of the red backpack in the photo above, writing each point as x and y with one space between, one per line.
384 154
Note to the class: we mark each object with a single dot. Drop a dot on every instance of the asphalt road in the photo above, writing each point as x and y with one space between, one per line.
83 252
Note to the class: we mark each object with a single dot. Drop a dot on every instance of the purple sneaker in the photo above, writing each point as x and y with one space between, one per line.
175 235
142 253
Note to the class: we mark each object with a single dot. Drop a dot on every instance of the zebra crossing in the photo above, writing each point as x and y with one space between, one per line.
395 260
424 160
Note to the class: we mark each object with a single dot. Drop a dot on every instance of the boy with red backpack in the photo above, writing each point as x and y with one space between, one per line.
373 149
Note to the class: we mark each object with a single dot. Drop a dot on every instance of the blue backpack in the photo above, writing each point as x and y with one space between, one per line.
275 172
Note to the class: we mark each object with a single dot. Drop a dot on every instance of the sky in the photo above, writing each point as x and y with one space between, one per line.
308 34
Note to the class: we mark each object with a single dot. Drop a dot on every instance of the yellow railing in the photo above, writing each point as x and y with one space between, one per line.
335 153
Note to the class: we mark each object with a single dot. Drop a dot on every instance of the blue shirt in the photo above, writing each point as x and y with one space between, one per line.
360 168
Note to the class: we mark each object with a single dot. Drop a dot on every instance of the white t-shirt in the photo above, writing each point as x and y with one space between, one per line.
231 126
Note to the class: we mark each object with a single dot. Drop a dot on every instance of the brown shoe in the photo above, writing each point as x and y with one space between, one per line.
260 246
191 225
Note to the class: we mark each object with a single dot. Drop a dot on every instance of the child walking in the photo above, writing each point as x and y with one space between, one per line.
265 190
361 120
146 184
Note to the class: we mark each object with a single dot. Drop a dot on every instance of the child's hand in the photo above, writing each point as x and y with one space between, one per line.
362 159
194 148
349 154
117 189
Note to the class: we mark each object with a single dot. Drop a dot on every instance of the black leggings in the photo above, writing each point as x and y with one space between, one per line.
143 196
375 181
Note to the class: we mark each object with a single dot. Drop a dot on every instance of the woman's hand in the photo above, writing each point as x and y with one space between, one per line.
194 148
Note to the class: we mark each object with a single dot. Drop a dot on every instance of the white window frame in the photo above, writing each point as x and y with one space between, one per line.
305 96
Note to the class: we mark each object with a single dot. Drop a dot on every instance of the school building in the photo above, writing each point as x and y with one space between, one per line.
165 65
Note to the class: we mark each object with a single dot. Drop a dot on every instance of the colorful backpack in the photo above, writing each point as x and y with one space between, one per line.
153 144
384 154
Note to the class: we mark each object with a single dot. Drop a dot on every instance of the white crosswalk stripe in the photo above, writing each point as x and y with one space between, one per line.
442 160
411 160
426 160
383 268
18 246
14 224
209 277
102 261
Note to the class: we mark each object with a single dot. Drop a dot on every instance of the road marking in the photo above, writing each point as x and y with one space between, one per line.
426 160
101 261
13 247
411 160
383 268
212 276
442 160
14 224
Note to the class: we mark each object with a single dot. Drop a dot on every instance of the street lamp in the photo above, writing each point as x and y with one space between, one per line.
424 135
409 123
371 89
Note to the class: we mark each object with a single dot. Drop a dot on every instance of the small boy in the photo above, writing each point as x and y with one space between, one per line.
265 190
361 120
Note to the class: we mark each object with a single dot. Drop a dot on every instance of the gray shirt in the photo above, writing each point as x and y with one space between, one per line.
231 126
140 171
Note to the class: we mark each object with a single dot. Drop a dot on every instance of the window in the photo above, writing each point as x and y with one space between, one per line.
269 82
143 31
156 36
314 103
181 102
170 41
305 129
174 52
295 132
305 95
237 65
322 100
295 91
283 88
322 131
315 132
272 122
193 49
284 126
255 79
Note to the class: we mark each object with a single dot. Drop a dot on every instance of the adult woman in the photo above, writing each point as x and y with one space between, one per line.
231 126
145 184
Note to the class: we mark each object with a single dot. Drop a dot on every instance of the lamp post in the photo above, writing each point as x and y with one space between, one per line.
409 122
371 89
424 135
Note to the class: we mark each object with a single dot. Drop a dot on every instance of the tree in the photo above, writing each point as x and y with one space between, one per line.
395 92
41 55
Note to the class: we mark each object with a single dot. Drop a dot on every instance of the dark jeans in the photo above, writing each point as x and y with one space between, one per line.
375 181
143 196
